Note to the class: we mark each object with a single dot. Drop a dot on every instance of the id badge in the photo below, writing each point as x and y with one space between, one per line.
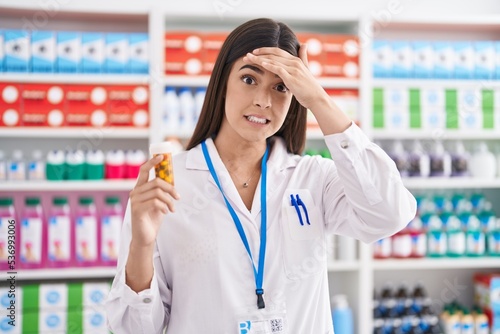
270 320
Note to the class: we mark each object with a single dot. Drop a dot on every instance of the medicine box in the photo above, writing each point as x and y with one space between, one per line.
17 51
86 105
183 52
138 53
1 51
128 105
444 60
423 59
10 104
464 60
43 51
315 52
341 56
116 53
43 105
382 59
403 59
212 43
92 52
69 52
485 60
497 60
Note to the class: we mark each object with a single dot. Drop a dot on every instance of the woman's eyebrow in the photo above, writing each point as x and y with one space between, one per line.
256 69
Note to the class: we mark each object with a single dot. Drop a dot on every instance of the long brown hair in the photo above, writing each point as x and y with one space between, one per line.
245 38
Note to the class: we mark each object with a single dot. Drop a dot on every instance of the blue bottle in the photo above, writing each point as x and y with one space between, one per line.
342 315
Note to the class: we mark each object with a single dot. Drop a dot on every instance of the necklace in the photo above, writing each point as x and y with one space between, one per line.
246 183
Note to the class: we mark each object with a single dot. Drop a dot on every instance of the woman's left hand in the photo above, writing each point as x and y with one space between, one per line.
292 70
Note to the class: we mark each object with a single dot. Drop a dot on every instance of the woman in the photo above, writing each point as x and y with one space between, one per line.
242 250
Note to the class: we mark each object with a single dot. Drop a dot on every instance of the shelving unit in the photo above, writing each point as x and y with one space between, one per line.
358 278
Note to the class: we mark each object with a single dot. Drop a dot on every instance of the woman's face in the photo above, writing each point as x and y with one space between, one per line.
256 102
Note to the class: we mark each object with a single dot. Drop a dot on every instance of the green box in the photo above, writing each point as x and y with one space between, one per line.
488 120
378 97
415 120
378 120
415 97
451 118
488 99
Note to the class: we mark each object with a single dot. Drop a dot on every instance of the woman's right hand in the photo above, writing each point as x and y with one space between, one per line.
150 201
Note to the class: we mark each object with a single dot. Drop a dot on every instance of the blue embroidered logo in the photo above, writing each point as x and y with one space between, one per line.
245 327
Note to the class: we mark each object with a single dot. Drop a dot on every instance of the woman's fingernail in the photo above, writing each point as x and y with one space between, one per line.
256 51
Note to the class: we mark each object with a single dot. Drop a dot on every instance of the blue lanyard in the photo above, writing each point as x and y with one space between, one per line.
258 274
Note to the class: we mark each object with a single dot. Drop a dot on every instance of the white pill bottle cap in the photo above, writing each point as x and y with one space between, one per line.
159 148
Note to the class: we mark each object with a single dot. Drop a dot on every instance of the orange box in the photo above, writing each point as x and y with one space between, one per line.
212 43
128 106
10 104
315 52
183 53
86 105
43 105
341 56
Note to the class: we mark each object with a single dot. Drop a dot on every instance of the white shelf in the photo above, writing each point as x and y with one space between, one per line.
450 183
437 134
341 266
435 83
76 78
74 132
111 7
87 185
438 263
339 83
65 273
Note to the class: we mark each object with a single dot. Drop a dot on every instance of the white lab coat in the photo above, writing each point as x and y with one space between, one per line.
203 279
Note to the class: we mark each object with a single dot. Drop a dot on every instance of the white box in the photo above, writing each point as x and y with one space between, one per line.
470 119
138 53
53 296
432 98
94 320
17 51
485 60
69 52
92 52
382 59
52 321
433 118
469 99
464 60
423 59
402 53
7 328
94 293
444 60
396 97
1 51
43 51
397 118
117 53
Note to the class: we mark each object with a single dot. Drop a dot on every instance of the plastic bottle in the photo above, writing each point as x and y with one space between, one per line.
481 325
187 109
347 248
133 161
32 235
418 238
418 161
115 164
36 167
342 315
75 165
466 323
199 99
399 156
455 235
59 234
382 249
483 163
459 160
16 170
7 228
171 111
402 244
452 323
440 161
494 240
55 168
94 165
86 234
3 166
111 223
475 236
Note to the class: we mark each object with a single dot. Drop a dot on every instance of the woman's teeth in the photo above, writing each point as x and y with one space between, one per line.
255 119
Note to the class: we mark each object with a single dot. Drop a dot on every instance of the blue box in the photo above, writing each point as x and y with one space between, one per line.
485 60
1 51
383 59
138 61
402 66
464 60
497 60
444 60
69 53
92 52
43 51
17 51
117 53
423 59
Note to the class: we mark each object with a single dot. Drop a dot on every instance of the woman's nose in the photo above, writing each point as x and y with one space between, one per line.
262 99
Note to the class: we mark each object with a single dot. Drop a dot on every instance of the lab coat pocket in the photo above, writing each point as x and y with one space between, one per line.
303 238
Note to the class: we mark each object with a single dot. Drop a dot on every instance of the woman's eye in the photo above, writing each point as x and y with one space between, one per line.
248 80
281 88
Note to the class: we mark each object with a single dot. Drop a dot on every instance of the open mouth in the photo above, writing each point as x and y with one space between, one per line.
258 120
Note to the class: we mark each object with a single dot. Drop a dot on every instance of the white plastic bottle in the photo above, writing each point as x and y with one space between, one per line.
199 98
3 167
399 156
16 170
171 111
440 160
347 248
36 167
187 108
483 163
418 161
459 160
